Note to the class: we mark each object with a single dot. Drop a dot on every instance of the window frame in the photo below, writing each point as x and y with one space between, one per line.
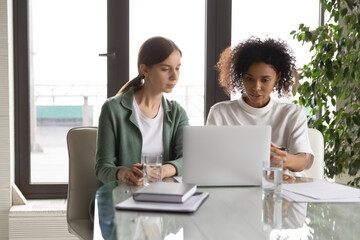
22 111
218 37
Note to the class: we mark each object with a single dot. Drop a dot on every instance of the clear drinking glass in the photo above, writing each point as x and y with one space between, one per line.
151 169
272 176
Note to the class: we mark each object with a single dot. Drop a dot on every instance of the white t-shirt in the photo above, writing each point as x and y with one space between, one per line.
288 121
151 130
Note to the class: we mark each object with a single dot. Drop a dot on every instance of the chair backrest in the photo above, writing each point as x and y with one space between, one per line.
81 142
317 144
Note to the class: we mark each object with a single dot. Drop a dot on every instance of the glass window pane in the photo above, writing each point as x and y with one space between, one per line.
275 19
67 78
183 21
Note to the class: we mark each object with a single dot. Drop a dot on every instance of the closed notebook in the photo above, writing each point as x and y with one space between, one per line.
165 192
189 206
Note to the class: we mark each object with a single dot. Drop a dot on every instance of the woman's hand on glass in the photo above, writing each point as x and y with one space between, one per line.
153 173
132 176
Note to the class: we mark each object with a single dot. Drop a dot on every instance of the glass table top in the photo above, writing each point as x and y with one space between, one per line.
228 213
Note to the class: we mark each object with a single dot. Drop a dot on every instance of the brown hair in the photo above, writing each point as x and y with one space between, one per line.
152 51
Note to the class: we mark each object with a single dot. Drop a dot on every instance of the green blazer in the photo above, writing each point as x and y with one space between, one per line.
119 140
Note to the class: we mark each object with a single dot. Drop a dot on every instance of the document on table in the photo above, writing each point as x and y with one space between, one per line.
191 205
320 191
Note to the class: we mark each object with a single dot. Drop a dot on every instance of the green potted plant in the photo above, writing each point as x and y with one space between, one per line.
330 85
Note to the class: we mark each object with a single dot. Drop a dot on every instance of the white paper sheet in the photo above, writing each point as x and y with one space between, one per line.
294 197
320 191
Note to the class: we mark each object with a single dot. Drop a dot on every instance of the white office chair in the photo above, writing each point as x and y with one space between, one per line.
81 142
317 144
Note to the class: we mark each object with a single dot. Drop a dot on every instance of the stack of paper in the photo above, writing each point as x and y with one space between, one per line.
191 205
165 192
165 196
320 191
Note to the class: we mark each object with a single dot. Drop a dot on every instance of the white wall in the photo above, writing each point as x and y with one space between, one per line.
6 114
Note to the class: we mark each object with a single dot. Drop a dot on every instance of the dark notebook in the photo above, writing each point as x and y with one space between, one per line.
165 192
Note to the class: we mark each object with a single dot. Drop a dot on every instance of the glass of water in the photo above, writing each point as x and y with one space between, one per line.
151 169
272 176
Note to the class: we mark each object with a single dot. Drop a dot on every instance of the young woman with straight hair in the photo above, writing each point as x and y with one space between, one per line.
139 120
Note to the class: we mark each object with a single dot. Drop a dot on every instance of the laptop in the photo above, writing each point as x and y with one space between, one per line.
225 155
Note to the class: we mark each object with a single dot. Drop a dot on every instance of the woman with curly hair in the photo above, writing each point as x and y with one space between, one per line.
257 68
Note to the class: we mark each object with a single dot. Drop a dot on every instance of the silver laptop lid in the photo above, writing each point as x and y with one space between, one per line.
225 155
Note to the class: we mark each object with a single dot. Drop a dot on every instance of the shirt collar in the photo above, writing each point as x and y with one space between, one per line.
127 102
253 110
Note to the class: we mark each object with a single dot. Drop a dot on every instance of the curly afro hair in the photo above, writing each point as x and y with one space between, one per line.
233 64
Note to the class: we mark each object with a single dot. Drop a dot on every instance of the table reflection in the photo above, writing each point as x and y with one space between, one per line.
105 205
283 219
228 213
148 226
139 225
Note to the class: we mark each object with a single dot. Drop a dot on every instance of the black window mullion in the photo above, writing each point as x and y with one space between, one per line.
218 37
21 93
118 43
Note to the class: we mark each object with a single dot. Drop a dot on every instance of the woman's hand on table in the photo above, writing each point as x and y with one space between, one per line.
288 178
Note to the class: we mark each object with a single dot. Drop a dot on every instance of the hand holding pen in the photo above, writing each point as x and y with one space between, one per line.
279 155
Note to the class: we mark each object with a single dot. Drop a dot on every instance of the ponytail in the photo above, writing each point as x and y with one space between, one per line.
135 83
